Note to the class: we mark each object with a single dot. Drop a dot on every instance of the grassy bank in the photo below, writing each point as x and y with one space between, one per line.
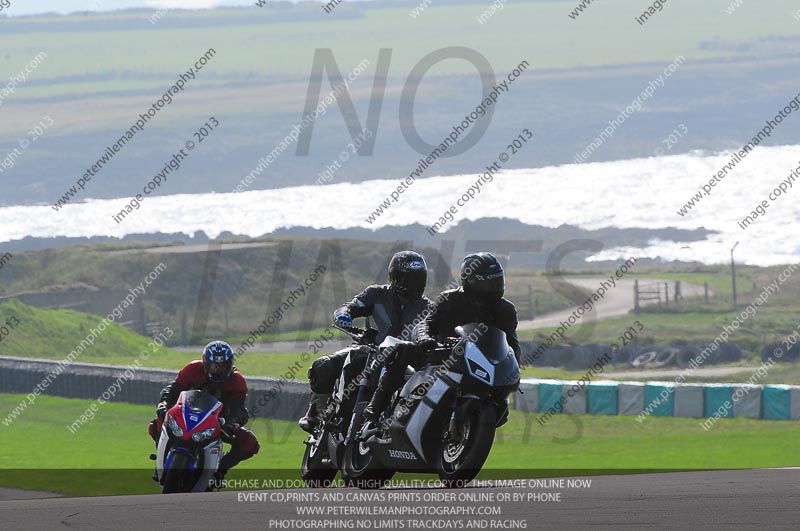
53 334
109 454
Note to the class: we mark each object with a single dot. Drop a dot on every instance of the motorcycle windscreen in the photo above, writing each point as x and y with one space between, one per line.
491 341
198 401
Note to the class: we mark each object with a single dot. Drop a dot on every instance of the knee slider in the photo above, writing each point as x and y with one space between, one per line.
248 443
153 430
317 367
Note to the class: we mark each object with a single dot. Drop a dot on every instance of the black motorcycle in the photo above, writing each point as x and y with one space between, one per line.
444 418
325 446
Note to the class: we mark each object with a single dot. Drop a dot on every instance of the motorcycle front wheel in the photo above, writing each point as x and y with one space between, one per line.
462 456
360 468
175 478
314 472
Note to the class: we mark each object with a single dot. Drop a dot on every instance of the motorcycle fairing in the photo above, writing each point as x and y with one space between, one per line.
196 414
479 365
428 398
196 409
209 459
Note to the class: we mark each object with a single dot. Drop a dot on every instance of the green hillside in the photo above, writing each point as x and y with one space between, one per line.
244 288
54 334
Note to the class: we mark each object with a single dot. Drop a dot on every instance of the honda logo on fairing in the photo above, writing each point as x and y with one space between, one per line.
401 454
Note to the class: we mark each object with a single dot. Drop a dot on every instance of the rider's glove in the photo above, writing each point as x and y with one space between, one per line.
161 410
230 428
426 344
343 318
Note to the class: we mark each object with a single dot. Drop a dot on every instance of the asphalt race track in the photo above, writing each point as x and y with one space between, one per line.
742 499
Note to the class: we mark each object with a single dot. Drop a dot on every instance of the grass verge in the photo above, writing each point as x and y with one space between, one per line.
108 456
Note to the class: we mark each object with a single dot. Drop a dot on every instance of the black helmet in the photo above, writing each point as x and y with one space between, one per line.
482 277
408 274
218 361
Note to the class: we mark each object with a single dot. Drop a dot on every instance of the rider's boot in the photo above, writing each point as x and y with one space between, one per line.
378 403
229 460
217 481
311 419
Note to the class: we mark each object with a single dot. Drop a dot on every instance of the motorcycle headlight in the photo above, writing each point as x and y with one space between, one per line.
174 428
203 435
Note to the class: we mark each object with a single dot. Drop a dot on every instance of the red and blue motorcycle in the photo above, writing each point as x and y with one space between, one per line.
190 446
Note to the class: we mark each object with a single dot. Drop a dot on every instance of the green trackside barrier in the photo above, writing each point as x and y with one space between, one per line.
549 396
776 402
601 398
718 400
660 397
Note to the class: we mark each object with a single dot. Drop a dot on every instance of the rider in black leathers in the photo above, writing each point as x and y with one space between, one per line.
393 308
478 300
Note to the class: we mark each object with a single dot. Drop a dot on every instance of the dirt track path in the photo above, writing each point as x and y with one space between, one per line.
618 301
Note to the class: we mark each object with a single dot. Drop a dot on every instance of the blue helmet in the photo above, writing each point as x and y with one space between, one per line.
218 361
